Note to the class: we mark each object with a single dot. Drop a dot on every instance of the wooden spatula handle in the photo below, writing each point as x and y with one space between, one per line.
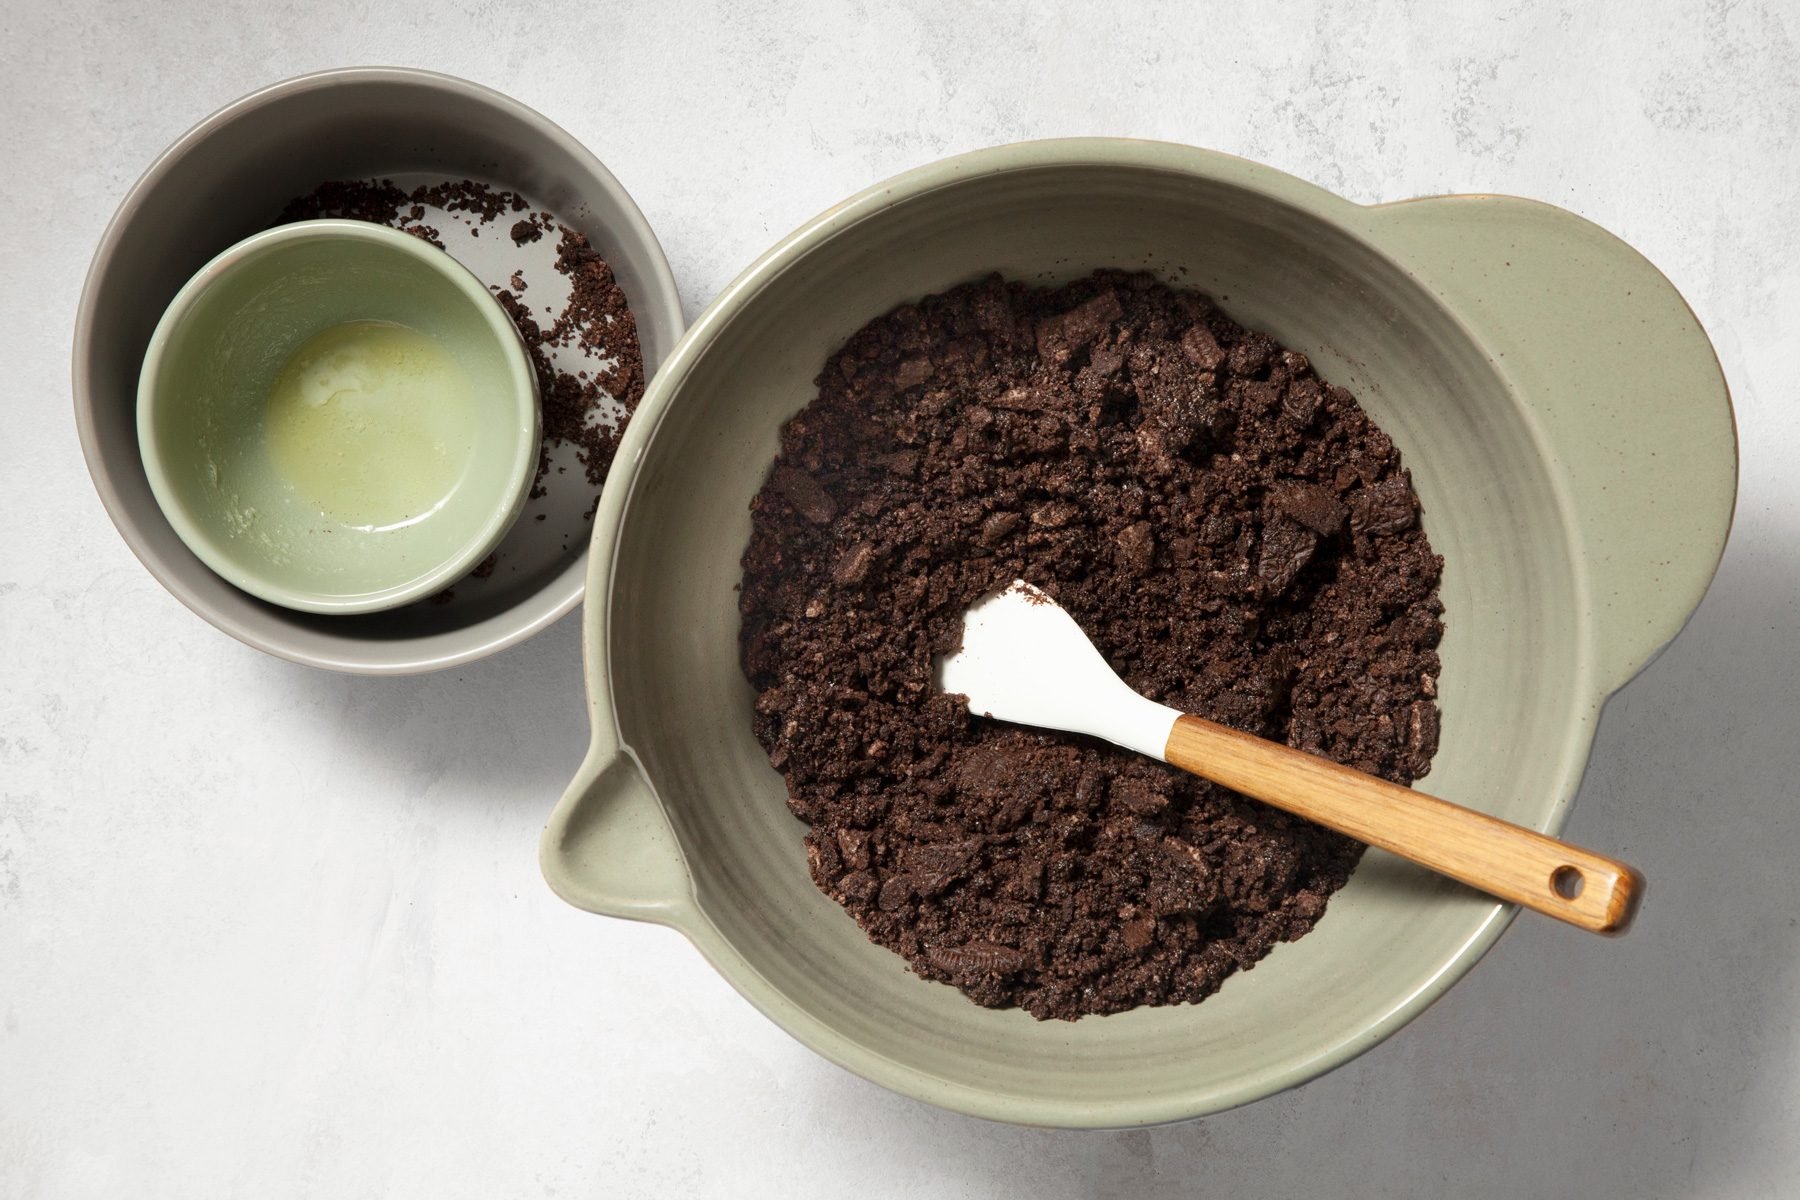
1494 856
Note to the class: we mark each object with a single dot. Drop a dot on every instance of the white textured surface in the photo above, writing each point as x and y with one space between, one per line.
269 932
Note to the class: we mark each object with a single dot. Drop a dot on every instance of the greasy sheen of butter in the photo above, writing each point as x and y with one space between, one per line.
372 424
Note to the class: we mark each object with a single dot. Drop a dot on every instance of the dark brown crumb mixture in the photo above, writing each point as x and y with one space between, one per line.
1233 532
596 319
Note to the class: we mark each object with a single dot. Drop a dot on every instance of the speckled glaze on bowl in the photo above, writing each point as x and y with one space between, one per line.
1534 371
230 176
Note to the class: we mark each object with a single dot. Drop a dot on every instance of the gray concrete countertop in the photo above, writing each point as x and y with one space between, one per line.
271 932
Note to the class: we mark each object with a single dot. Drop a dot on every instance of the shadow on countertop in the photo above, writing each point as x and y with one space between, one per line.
509 728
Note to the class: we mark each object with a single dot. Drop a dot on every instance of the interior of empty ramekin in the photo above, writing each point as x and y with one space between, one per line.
1516 698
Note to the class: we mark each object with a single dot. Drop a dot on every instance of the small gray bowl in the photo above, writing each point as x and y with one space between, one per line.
229 177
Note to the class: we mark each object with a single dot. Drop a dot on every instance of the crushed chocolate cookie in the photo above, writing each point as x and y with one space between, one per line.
1232 531
378 202
598 320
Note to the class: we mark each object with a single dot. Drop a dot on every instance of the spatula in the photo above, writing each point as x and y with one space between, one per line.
1023 659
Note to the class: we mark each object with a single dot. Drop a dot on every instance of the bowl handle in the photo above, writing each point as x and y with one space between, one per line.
608 847
1623 384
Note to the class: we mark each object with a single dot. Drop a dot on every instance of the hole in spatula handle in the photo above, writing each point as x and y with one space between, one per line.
1567 882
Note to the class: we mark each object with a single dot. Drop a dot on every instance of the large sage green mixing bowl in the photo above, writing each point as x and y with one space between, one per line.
1567 427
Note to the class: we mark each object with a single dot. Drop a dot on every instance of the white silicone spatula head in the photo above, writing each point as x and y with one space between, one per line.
1024 659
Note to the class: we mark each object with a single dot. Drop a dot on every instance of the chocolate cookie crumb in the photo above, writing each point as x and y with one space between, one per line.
1235 535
